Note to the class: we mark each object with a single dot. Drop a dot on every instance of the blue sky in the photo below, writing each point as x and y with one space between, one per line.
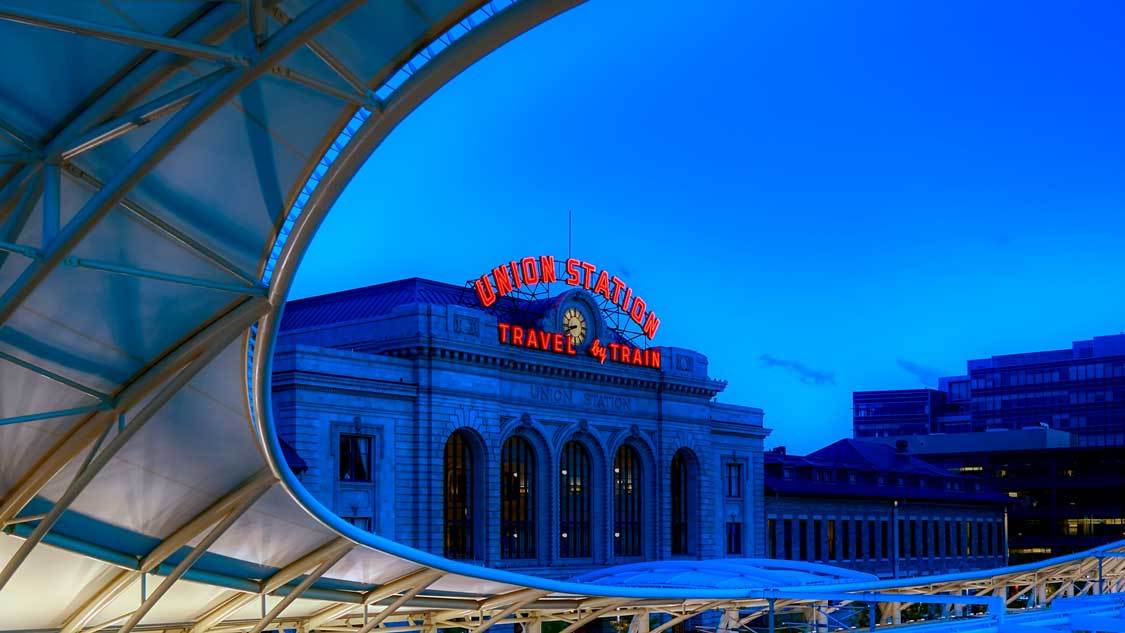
820 196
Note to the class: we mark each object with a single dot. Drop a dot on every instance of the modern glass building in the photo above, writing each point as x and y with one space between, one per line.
1063 496
420 418
1080 390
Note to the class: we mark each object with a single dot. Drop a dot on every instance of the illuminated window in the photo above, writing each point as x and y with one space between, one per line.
355 458
684 510
574 501
458 497
517 499
627 502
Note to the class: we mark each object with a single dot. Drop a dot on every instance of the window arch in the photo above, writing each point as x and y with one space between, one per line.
627 500
575 495
685 503
457 494
517 499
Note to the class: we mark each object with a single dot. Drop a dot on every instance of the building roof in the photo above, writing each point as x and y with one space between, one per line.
873 456
990 441
882 466
721 573
368 302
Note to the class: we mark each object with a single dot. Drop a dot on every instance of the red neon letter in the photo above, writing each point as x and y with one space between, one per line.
613 349
517 335
504 329
628 295
602 287
530 274
572 272
516 281
547 269
532 340
570 346
654 358
503 281
558 344
638 311
589 268
637 360
651 324
617 286
485 292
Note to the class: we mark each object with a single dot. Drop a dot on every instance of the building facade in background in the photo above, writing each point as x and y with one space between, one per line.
870 507
1064 496
512 432
1080 390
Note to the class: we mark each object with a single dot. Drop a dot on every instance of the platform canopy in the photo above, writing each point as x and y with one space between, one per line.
163 166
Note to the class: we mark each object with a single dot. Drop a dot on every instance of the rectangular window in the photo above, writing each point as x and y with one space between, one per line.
884 539
831 539
948 539
787 537
959 533
925 538
968 538
734 480
734 538
818 549
355 458
363 523
872 541
902 538
803 538
860 549
913 538
846 539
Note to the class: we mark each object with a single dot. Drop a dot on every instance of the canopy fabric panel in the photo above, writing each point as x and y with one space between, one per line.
163 166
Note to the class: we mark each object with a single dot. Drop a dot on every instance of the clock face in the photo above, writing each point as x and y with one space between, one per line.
574 325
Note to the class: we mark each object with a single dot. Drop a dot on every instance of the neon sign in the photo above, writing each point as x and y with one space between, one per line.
505 278
557 343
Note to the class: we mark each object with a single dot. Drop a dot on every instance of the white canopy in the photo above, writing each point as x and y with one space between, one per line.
163 166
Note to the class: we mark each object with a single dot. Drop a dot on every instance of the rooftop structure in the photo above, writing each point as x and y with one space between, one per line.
1080 390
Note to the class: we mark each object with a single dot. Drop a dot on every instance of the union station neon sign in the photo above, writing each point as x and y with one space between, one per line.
505 278
510 278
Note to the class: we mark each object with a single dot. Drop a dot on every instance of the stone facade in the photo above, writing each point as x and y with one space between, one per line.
410 363
870 507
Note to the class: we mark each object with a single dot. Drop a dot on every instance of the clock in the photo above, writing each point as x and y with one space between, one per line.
575 325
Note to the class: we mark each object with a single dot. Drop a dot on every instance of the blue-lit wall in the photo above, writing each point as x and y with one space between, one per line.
412 375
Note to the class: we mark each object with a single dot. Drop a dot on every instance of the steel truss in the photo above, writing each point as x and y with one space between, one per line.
229 50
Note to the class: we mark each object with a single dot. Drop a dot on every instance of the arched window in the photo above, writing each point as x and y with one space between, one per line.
458 497
575 483
517 499
684 503
627 502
